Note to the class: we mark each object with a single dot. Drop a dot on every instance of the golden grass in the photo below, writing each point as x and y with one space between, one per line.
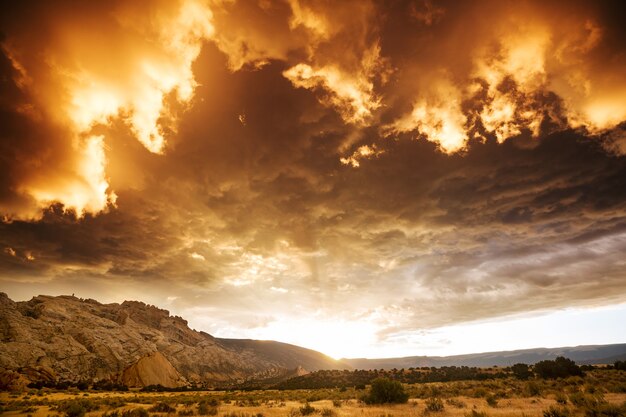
454 407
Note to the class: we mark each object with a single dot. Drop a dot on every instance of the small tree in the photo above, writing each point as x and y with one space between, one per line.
386 391
521 371
561 367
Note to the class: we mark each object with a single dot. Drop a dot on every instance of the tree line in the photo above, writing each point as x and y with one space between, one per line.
560 367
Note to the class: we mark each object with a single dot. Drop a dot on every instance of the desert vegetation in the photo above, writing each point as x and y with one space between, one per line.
595 392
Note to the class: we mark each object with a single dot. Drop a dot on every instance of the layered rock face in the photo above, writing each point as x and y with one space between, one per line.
153 369
134 343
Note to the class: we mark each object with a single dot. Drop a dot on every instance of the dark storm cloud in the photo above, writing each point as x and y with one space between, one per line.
249 216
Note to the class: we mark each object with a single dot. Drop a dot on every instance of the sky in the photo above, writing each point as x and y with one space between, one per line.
364 178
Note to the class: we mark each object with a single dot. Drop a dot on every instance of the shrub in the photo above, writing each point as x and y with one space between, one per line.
307 409
205 409
136 412
492 401
185 413
480 392
212 401
560 398
386 391
337 403
75 409
455 403
603 409
521 371
561 367
533 389
328 412
556 412
620 365
235 414
475 413
584 400
434 405
162 408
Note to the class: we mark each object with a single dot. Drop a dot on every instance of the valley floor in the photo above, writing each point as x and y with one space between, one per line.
574 397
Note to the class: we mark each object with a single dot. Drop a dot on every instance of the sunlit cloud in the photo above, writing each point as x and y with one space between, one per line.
522 76
362 152
438 117
197 256
87 191
153 55
352 95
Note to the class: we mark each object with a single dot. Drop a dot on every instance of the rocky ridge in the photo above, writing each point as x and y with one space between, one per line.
67 338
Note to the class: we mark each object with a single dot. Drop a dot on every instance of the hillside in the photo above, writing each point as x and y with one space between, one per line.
590 354
67 338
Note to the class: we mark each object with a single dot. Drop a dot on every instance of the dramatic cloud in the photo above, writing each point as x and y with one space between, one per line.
523 72
82 71
265 168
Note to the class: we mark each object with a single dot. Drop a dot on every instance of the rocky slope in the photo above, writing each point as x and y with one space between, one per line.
67 338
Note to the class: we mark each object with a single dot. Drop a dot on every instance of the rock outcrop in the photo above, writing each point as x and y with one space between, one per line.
12 381
153 369
78 340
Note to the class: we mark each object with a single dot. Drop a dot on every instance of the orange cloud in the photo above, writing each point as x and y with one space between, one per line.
437 116
87 79
352 95
362 152
521 74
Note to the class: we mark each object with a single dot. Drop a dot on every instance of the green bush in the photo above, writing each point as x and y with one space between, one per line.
561 367
521 371
386 391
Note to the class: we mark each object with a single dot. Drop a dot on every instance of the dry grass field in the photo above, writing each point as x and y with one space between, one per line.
599 394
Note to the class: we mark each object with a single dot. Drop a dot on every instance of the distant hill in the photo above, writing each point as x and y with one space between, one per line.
132 343
583 355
